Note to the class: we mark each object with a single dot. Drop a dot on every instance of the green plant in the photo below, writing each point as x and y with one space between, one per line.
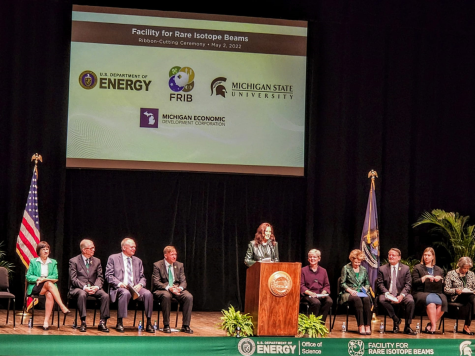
459 237
9 266
232 319
312 325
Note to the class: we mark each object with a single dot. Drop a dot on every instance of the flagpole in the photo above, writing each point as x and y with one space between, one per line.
372 174
24 313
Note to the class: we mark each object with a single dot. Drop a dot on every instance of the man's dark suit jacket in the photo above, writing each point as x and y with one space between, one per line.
403 281
160 275
80 276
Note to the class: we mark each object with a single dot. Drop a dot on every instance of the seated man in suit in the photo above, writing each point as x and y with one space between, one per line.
314 281
123 270
394 287
85 273
169 281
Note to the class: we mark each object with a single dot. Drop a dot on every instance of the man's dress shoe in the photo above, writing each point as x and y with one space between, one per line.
119 327
83 327
409 331
186 329
166 329
103 327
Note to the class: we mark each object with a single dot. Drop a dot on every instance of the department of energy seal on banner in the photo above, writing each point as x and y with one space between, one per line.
356 348
246 347
280 283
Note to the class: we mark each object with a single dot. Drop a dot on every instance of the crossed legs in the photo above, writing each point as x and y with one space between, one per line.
51 293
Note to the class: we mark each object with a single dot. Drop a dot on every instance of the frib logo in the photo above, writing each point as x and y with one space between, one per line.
88 79
465 348
181 79
356 348
246 347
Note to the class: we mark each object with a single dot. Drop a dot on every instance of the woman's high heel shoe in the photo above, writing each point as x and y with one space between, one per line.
66 312
45 328
429 331
467 332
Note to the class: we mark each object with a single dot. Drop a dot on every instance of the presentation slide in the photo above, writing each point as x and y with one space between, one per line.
182 91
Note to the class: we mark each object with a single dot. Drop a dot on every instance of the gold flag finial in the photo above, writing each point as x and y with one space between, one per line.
36 157
373 174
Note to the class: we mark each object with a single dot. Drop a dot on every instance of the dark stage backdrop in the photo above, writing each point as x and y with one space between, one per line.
391 87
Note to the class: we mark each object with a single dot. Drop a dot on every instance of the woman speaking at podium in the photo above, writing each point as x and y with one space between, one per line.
264 247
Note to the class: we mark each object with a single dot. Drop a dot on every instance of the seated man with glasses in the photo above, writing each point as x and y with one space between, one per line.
87 279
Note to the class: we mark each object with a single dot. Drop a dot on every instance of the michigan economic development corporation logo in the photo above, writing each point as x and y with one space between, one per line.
114 81
148 118
181 80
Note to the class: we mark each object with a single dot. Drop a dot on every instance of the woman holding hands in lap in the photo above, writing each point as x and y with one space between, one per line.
354 284
460 287
41 277
427 288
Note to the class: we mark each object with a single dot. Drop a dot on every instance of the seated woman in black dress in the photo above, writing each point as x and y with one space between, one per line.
427 288
354 280
460 286
264 247
40 277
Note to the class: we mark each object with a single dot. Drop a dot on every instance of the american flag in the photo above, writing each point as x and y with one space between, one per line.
29 234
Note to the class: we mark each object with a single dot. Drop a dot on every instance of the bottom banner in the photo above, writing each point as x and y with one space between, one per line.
50 345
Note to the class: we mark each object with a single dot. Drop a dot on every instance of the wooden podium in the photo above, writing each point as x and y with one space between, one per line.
273 298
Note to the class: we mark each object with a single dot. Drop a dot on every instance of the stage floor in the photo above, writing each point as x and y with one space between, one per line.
204 325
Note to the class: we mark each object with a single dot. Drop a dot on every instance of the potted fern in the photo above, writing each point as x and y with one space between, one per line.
3 263
459 236
311 326
232 319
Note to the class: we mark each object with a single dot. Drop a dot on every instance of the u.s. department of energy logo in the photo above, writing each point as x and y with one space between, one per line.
356 348
181 79
246 347
465 349
88 79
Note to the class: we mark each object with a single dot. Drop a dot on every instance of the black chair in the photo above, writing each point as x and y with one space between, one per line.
421 311
345 305
399 309
88 299
306 305
457 307
5 292
137 301
160 308
39 297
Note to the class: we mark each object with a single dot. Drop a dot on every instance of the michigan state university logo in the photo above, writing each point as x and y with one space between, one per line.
246 347
465 349
356 348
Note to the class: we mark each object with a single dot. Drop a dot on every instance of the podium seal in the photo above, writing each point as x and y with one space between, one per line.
280 283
